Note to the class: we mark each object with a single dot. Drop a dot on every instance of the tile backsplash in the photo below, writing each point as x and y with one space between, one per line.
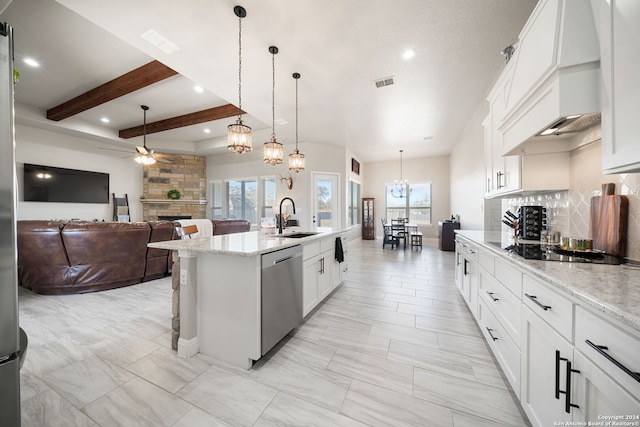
568 211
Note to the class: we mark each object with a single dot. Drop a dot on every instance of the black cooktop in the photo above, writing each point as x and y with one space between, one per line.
544 252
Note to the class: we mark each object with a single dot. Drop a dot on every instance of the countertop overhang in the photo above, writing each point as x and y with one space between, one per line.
250 243
611 289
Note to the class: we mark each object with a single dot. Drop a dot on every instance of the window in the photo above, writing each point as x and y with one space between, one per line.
242 199
353 203
268 196
416 205
216 199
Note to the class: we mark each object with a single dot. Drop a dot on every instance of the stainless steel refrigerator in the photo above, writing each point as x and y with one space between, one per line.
12 339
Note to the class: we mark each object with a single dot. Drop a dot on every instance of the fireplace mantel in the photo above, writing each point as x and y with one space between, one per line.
188 202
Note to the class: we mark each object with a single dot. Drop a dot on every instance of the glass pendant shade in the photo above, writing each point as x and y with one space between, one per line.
273 152
239 137
296 161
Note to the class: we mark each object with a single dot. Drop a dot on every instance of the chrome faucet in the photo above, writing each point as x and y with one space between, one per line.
280 220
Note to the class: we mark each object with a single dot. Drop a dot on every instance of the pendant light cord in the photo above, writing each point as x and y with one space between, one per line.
296 115
273 95
240 67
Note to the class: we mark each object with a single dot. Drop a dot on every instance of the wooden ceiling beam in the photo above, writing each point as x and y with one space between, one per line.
146 75
203 116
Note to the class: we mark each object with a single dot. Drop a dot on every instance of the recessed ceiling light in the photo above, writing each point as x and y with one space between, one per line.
207 130
105 120
198 88
409 53
32 62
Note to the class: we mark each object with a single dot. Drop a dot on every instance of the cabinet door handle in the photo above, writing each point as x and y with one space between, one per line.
464 270
567 397
492 297
601 349
558 359
488 185
490 334
567 386
498 180
535 300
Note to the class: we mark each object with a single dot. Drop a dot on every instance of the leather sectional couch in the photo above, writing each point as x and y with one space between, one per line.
75 257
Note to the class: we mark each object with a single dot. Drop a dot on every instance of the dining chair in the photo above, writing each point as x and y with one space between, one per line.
398 231
187 230
387 238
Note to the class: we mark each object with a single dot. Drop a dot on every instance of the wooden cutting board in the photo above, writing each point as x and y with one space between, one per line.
608 216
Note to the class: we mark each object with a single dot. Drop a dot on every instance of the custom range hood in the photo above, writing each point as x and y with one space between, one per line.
553 92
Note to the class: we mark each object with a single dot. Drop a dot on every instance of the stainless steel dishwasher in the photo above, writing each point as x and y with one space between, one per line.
281 294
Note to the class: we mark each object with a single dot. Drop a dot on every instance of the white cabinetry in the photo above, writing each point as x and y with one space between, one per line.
564 362
321 272
467 271
547 354
619 34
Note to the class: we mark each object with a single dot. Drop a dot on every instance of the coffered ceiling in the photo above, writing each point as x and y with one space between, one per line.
340 47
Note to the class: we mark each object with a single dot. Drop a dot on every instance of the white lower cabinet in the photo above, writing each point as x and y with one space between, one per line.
321 272
504 348
467 272
547 359
565 362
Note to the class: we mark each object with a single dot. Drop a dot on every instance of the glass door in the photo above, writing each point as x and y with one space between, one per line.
325 200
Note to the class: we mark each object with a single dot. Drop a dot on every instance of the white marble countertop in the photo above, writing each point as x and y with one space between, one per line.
250 243
611 289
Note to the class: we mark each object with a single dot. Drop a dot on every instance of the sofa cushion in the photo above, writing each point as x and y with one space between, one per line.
42 259
106 252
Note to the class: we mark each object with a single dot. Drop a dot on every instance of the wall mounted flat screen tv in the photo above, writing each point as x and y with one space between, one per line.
50 184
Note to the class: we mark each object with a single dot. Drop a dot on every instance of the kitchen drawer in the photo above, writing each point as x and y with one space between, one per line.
327 244
622 345
311 249
503 347
486 260
552 307
504 305
467 248
509 276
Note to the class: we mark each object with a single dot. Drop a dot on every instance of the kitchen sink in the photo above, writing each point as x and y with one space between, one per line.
297 235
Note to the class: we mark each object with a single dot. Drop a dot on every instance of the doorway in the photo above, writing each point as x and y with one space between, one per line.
325 201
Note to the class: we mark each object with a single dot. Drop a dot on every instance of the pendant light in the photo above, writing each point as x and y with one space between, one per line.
239 134
296 160
273 151
401 186
144 156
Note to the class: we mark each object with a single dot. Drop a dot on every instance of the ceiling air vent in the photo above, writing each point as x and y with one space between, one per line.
384 82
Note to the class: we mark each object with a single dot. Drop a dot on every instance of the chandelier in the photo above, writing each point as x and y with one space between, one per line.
239 134
273 151
145 156
296 160
402 188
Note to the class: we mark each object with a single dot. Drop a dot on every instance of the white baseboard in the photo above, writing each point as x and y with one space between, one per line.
187 348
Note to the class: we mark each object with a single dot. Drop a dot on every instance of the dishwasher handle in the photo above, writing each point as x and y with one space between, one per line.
282 260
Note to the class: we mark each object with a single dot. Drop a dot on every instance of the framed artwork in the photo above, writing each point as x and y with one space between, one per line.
355 166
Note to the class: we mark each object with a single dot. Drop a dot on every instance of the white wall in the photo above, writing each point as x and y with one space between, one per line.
48 148
426 169
467 173
318 158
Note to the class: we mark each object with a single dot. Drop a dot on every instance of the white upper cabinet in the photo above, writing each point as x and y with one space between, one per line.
555 77
619 33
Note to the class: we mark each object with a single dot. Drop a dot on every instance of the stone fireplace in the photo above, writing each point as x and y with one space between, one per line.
187 174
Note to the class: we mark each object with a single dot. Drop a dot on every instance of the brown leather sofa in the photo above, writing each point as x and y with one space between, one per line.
66 258
229 226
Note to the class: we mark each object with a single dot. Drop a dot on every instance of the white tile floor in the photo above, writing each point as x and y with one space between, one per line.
394 346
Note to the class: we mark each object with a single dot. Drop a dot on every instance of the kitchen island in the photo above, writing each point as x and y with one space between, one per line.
220 288
566 334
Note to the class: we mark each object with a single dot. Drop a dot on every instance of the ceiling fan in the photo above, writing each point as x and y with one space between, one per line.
146 156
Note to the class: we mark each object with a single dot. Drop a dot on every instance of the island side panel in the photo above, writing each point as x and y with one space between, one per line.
229 325
188 341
